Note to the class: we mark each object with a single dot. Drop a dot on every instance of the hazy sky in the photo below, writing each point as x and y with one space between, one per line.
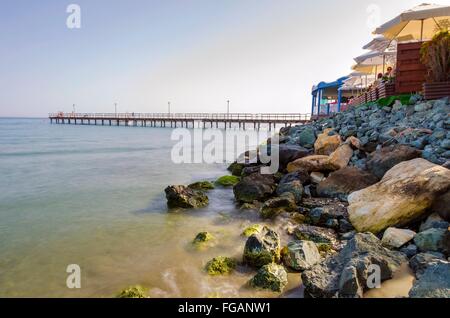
262 55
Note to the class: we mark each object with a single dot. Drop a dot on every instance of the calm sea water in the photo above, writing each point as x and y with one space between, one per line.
93 196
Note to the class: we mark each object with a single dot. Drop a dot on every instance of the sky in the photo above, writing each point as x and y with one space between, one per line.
262 55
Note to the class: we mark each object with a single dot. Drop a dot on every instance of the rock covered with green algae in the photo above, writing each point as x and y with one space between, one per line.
252 229
202 237
277 205
271 276
220 265
134 292
227 181
236 168
262 248
180 196
202 185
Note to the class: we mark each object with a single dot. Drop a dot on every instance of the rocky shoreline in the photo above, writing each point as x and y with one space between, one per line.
360 194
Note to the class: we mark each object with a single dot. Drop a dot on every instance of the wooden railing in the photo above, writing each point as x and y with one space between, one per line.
290 117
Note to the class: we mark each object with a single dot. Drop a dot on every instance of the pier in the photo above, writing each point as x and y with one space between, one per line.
187 120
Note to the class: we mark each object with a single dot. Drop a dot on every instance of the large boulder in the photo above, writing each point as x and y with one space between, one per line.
396 238
341 183
385 158
346 273
271 276
403 195
431 240
288 153
254 187
433 283
277 205
179 196
300 255
327 142
262 248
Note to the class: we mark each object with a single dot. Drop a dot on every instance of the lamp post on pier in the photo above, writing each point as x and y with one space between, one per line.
228 109
115 108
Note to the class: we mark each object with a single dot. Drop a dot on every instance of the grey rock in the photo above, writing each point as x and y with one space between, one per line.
294 187
307 138
254 187
409 250
316 234
434 221
430 240
300 255
349 285
433 283
325 280
421 261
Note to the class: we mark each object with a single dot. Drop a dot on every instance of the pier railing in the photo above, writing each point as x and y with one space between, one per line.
189 116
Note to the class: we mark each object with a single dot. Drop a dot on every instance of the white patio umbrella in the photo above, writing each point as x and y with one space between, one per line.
377 59
381 44
419 23
358 79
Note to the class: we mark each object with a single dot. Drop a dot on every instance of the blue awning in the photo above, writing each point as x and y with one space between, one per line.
322 85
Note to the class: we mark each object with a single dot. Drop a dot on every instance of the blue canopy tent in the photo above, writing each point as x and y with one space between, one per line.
324 91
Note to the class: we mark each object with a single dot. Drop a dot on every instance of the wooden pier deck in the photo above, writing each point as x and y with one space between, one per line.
188 120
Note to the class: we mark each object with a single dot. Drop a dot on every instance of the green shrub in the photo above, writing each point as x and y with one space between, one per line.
389 101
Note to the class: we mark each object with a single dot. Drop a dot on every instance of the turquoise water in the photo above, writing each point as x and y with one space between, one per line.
93 196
